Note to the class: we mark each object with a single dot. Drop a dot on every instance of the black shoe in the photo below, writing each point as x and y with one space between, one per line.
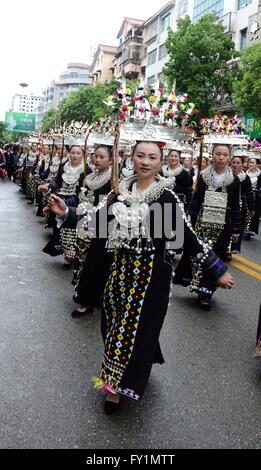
78 314
51 250
204 302
228 257
67 266
110 408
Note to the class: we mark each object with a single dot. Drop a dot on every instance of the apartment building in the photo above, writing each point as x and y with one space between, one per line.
102 66
155 35
130 50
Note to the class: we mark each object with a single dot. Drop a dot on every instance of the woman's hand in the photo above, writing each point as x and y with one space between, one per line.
253 213
226 281
56 205
46 211
43 188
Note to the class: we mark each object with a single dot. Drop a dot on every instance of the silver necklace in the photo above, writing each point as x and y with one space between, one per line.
213 183
128 169
71 174
168 172
242 176
32 157
152 193
254 177
252 174
96 180
70 179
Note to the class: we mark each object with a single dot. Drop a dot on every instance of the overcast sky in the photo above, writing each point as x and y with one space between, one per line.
39 37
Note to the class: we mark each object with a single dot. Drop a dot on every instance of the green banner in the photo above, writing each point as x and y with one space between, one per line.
253 126
20 122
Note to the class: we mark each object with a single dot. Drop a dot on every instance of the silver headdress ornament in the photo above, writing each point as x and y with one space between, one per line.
100 139
33 139
206 155
72 134
240 152
186 155
103 133
235 140
75 133
152 114
256 155
175 145
47 141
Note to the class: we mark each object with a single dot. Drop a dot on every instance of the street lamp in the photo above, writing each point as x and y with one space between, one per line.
23 84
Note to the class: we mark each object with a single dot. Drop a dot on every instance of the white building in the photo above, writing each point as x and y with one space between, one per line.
22 103
155 35
241 18
76 75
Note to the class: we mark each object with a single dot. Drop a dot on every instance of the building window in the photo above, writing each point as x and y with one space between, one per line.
243 38
152 57
203 7
243 3
162 52
161 79
165 23
182 7
151 80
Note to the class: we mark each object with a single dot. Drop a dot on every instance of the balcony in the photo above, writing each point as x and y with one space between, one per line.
228 22
132 71
130 41
130 55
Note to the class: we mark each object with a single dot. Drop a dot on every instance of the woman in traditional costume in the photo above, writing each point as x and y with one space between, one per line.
67 185
30 163
247 201
255 176
136 296
215 215
41 171
91 267
137 292
181 178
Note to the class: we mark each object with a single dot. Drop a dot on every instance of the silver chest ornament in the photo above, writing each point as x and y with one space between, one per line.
130 227
214 208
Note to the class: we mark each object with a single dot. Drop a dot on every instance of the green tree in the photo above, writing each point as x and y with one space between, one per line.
2 130
51 119
198 61
85 104
247 88
6 136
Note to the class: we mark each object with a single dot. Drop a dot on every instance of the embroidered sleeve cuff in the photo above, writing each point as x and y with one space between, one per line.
214 266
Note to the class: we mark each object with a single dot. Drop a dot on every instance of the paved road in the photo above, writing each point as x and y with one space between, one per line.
207 395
